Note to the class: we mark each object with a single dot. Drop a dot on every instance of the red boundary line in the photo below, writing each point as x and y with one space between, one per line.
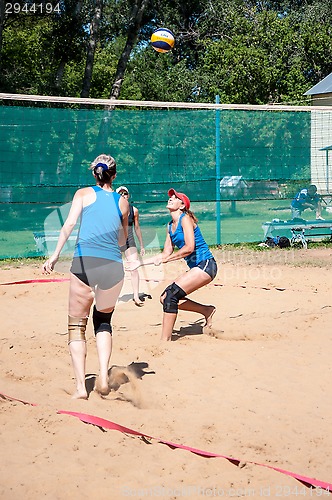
62 280
25 282
107 424
51 280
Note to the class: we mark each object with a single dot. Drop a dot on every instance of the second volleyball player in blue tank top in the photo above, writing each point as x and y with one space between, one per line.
184 233
130 249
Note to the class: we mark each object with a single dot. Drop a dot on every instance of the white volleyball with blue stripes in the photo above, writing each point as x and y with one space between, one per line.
162 40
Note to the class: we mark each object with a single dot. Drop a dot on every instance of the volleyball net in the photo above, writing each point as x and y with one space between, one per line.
239 165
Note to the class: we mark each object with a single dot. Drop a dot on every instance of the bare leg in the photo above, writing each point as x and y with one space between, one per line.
132 255
206 311
105 302
104 349
168 325
80 300
78 352
189 282
319 211
135 285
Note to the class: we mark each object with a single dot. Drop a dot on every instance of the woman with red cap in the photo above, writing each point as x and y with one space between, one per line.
184 233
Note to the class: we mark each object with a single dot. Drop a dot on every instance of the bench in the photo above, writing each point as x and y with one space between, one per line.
46 241
299 231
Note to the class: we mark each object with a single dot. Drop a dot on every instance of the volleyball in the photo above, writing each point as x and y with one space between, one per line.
162 40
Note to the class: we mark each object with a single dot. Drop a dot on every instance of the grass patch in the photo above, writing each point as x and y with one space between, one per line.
242 227
20 262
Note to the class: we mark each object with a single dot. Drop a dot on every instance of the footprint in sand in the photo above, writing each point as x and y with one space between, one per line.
213 332
121 375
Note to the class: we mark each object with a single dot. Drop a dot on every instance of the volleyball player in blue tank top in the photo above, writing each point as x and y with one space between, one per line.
184 233
130 249
96 271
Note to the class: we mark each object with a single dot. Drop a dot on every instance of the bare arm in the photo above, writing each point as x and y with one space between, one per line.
168 254
307 204
138 230
66 230
189 241
124 209
156 259
310 202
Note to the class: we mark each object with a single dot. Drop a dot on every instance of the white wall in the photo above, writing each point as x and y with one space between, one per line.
321 136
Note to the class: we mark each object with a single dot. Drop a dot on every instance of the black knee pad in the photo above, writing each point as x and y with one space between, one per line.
101 321
173 294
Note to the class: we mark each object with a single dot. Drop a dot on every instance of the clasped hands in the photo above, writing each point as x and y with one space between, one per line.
135 264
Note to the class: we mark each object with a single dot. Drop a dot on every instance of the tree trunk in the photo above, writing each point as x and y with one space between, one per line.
133 30
91 49
59 75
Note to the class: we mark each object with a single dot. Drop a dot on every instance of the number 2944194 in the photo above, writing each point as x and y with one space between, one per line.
31 8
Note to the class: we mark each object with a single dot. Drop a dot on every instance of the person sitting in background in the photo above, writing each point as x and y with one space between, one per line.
306 198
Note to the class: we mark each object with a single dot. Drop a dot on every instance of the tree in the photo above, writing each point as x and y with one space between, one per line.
247 51
91 48
134 25
2 18
68 35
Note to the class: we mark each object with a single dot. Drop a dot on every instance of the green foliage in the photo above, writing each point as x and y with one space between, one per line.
105 63
72 79
26 66
245 51
265 61
156 77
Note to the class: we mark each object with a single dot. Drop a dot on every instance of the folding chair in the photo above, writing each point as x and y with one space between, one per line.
298 237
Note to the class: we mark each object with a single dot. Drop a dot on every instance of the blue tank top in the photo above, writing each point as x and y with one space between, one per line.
304 197
99 228
201 251
131 218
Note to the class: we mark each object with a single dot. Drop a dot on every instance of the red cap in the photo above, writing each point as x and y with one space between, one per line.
181 197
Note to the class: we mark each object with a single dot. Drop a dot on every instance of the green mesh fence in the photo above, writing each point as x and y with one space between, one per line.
242 164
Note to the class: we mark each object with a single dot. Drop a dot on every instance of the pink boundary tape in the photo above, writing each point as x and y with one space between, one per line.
61 280
51 280
107 424
25 282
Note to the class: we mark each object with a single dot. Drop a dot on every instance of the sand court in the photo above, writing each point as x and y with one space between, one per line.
259 391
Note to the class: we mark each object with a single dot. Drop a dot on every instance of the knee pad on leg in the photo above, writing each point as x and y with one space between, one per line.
101 321
76 328
173 294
